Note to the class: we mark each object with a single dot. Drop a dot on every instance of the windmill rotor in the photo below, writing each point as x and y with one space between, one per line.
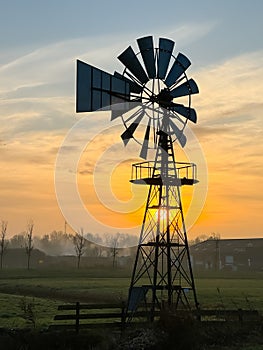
160 80
152 86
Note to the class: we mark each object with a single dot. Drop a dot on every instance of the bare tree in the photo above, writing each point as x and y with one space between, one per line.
113 241
79 244
3 242
29 242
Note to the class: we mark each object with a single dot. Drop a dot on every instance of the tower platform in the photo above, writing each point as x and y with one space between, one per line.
144 173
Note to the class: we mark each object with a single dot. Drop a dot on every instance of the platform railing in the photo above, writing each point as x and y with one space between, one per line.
186 172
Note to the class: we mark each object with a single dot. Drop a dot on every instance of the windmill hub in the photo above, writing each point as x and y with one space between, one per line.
164 98
152 89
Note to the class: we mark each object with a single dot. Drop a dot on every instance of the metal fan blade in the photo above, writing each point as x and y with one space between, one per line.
165 51
147 51
144 150
116 114
128 133
119 109
178 133
187 112
134 87
179 67
187 88
130 60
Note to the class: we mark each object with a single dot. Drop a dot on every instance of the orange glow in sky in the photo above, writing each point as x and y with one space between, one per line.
37 94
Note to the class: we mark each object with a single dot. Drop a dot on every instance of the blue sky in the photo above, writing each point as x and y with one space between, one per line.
230 27
39 44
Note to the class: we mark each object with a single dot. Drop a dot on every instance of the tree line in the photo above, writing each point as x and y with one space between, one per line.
79 243
59 243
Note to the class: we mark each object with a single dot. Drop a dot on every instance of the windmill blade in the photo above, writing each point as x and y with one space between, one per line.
130 60
178 133
165 52
179 67
116 114
147 51
134 87
144 150
128 133
187 88
187 112
120 109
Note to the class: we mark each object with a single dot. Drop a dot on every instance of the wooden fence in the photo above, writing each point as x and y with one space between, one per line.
98 315
114 315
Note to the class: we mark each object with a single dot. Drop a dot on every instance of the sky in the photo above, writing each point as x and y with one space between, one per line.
39 44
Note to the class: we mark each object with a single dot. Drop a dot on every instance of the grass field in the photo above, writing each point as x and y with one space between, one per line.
46 289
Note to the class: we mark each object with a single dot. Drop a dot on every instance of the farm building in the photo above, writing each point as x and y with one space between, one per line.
228 254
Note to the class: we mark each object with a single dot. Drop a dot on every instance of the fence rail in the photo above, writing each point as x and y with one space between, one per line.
114 314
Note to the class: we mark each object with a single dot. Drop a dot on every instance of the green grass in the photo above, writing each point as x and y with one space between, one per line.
46 289
69 285
11 314
231 293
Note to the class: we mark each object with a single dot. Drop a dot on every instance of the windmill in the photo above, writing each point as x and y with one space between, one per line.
155 94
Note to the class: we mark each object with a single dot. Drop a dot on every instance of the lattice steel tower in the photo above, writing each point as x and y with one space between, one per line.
162 265
149 88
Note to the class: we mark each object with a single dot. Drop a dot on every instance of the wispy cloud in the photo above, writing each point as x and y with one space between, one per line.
52 65
230 128
38 108
186 33
230 87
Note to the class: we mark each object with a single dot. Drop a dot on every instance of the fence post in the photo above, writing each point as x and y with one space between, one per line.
77 318
123 315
